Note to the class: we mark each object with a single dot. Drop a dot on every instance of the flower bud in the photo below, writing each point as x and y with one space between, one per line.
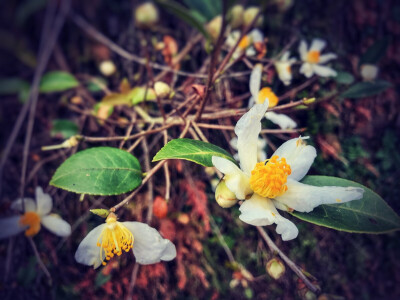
71 142
236 16
225 198
275 268
214 27
249 15
162 89
146 15
160 207
369 72
107 68
101 212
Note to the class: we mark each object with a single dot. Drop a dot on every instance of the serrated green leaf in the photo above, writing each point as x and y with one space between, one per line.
184 14
192 150
99 171
366 89
57 81
371 214
375 52
344 78
65 128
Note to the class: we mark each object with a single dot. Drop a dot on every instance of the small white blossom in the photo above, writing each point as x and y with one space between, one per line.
284 68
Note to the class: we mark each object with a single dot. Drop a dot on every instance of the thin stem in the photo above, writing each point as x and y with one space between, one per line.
132 283
39 260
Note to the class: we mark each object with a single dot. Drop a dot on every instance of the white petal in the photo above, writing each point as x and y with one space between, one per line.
247 130
298 155
283 121
307 70
284 72
259 211
324 71
88 252
285 56
148 245
255 80
236 181
10 226
56 225
28 204
43 201
256 36
233 143
261 144
304 198
250 51
327 57
317 45
303 50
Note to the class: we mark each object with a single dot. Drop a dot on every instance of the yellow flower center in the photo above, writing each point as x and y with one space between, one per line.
32 220
267 93
244 43
269 179
114 238
313 57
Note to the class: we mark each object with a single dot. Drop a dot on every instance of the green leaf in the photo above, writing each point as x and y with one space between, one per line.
94 85
57 81
366 89
344 78
184 14
375 52
371 214
10 86
65 128
99 171
101 279
206 8
192 150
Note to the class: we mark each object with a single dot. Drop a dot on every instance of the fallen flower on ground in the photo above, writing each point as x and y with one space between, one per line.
313 59
35 214
274 183
113 237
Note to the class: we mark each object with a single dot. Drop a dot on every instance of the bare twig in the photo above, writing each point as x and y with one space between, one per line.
39 260
132 283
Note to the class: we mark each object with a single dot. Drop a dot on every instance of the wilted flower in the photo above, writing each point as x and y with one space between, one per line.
284 68
313 59
113 237
35 214
274 183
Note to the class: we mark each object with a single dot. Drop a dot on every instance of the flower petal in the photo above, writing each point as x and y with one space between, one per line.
24 205
56 225
285 56
10 226
317 45
282 120
148 245
304 198
327 57
298 155
236 181
247 130
88 253
303 50
260 211
255 80
43 201
324 71
256 35
307 70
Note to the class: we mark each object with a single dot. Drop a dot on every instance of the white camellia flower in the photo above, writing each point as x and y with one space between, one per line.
284 68
274 183
313 59
261 144
35 215
246 44
282 120
113 237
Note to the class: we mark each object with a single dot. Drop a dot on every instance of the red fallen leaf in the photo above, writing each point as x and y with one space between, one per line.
160 207
167 229
199 89
170 50
331 148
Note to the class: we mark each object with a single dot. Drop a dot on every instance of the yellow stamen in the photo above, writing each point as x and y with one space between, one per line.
313 57
32 220
244 43
289 69
269 179
114 238
267 93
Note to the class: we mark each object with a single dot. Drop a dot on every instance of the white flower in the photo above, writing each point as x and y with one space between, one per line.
313 59
274 183
282 120
35 215
369 72
246 44
113 237
261 144
284 68
259 95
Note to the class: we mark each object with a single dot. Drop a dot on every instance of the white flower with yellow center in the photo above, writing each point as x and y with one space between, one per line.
113 238
246 44
284 68
274 183
35 215
313 59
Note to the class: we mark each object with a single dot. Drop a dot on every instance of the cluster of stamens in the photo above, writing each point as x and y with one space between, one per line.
313 56
32 220
114 239
268 179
